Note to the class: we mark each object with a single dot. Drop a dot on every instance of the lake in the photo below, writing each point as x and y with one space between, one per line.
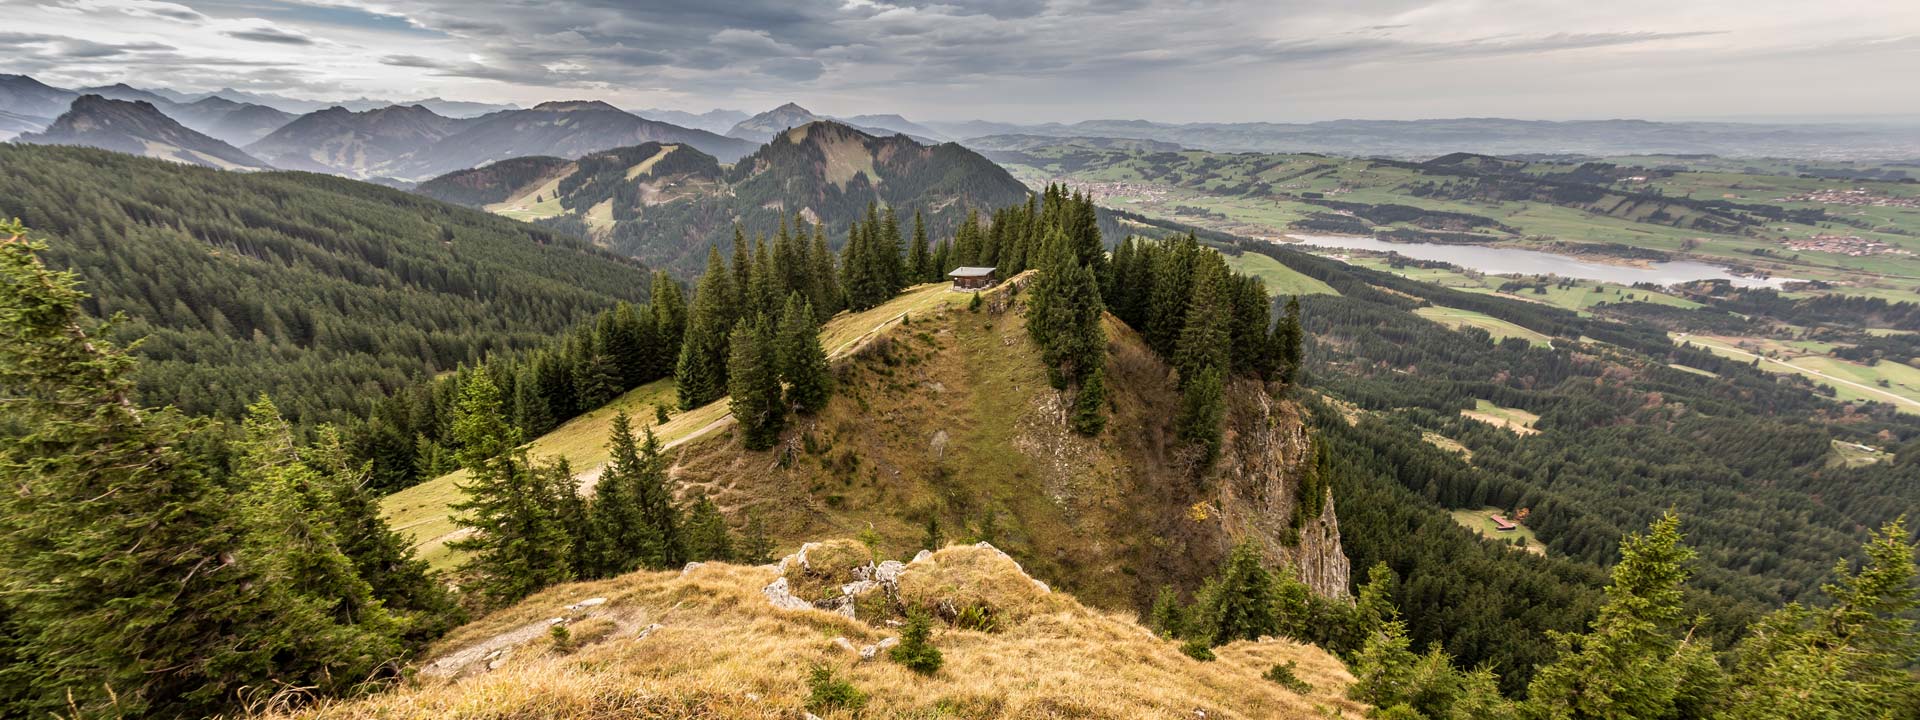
1516 261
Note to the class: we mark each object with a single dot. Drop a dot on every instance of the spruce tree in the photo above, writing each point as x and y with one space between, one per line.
650 490
769 289
621 537
669 308
130 585
1624 666
1238 603
754 383
701 374
802 362
823 279
916 650
707 536
942 261
919 264
742 269
1287 340
1203 407
1206 341
520 542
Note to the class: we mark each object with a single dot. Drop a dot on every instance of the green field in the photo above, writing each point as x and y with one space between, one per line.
1281 280
1499 329
1846 454
1479 522
1519 421
1850 381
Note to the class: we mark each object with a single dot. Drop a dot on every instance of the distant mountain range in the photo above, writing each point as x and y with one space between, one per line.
772 122
717 122
1492 136
137 127
666 203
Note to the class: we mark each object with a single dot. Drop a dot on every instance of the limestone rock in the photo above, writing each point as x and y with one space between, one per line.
692 566
844 644
587 603
779 596
647 631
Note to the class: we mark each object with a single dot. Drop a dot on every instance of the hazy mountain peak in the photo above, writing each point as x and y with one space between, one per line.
575 106
139 128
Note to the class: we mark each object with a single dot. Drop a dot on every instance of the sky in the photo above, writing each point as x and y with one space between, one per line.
1014 60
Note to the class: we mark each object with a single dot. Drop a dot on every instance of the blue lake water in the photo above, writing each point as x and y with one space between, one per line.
1516 261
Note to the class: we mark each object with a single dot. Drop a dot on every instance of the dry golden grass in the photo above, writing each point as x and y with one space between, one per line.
721 651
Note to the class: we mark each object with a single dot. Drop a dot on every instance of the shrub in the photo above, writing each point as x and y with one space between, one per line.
827 692
915 650
562 638
1197 649
1285 676
979 618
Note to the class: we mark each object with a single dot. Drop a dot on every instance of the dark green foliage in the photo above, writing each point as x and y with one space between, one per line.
521 540
920 265
1203 406
753 374
1237 604
1286 677
756 546
871 265
916 650
137 580
319 290
1287 339
621 537
826 693
708 538
1168 618
1197 649
1064 318
802 362
701 372
934 539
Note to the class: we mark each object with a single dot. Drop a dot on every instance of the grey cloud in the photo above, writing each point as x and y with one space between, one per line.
270 35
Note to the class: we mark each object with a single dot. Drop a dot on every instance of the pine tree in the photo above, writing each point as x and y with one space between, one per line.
756 546
701 374
769 290
1202 409
130 585
919 264
707 536
916 650
823 279
383 558
1237 604
1287 340
621 538
1623 667
754 383
942 261
669 308
650 491
802 362
742 269
1064 319
1205 343
520 542
1167 618
887 254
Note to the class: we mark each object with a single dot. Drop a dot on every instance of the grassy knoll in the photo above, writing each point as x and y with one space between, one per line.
422 511
1479 522
1514 419
1499 329
1846 454
542 201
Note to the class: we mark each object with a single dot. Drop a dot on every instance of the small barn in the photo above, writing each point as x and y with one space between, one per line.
972 278
1501 523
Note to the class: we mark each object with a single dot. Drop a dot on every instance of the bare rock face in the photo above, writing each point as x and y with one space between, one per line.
1265 458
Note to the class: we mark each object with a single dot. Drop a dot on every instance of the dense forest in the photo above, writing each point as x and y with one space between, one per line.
320 291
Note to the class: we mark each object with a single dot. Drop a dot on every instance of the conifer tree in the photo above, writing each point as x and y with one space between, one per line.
621 538
742 269
942 261
1206 340
1238 603
916 650
520 541
887 254
649 489
919 264
1287 340
701 374
802 362
754 383
402 583
707 536
131 586
756 546
824 280
1064 319
1202 409
669 308
1625 665
769 290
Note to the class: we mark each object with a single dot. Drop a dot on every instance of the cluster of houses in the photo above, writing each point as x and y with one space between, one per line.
1849 245
1856 196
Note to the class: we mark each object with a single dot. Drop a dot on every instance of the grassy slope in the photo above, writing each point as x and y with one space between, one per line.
1849 380
721 650
1519 421
1281 280
1499 329
1477 521
422 511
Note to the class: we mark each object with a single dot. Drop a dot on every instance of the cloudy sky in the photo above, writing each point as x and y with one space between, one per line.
1016 60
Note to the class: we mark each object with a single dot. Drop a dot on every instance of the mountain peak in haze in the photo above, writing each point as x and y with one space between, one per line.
576 106
138 128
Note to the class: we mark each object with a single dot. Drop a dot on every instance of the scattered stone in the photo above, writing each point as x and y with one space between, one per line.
922 555
867 653
889 572
779 596
844 644
690 568
648 630
939 445
587 603
556 621
888 642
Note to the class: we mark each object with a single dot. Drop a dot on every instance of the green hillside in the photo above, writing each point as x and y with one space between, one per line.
323 292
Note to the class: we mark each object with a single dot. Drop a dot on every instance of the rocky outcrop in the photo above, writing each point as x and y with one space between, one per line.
1265 458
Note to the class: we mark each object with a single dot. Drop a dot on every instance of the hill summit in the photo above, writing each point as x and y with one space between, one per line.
723 640
138 128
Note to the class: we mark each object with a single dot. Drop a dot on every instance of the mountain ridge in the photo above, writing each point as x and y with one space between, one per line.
138 128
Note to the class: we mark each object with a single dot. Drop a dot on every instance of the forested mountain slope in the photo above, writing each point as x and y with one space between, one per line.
325 292
355 144
666 202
